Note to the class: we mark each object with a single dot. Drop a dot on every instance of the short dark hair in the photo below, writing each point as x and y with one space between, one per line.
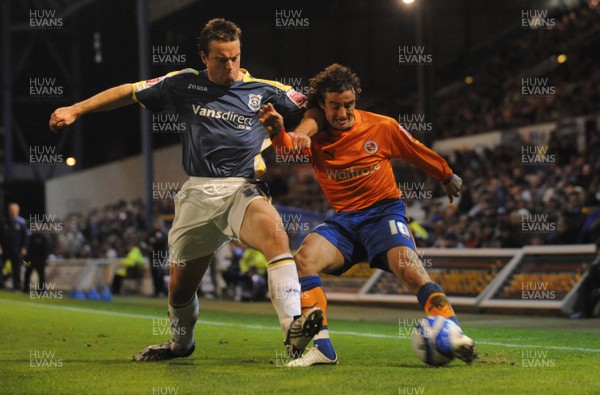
218 29
335 78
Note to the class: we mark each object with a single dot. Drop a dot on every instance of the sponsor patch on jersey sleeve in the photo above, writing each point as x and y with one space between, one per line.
141 85
298 98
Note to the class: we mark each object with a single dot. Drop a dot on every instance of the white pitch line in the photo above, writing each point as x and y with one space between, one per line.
262 327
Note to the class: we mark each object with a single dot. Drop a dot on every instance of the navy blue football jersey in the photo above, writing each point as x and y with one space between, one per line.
222 137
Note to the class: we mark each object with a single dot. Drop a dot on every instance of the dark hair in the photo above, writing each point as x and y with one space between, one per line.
218 29
335 78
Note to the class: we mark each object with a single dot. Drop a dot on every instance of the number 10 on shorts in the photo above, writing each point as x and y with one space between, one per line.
399 226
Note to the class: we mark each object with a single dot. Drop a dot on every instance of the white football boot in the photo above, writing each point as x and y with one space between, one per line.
312 357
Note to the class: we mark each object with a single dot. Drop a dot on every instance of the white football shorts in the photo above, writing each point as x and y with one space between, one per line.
208 212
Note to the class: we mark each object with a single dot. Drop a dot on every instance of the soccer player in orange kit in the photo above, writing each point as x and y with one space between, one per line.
351 160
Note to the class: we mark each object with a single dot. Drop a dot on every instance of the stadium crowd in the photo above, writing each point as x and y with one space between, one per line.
495 100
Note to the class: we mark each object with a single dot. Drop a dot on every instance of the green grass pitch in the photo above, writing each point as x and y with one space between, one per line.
66 346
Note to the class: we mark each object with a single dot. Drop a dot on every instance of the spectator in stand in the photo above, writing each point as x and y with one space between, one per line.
253 266
36 260
74 237
132 266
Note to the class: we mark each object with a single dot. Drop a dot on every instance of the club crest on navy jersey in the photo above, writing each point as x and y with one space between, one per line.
254 102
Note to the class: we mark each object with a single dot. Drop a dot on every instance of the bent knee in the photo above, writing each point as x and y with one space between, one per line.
305 263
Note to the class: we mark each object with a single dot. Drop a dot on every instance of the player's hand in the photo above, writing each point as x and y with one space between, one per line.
62 117
271 119
453 187
300 141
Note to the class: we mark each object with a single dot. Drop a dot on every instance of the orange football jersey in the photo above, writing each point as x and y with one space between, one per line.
353 166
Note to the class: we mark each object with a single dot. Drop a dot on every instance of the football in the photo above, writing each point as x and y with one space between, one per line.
432 340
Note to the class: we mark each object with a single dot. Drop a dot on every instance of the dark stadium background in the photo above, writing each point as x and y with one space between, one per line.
362 34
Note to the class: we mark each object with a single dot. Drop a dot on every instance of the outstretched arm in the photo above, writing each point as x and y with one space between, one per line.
273 122
412 151
109 99
313 121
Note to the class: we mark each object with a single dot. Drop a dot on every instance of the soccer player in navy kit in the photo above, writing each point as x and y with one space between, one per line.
221 152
